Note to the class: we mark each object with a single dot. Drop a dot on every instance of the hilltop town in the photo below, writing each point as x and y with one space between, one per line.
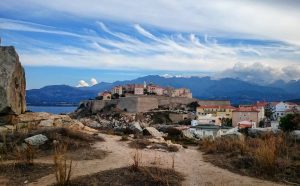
144 89
136 98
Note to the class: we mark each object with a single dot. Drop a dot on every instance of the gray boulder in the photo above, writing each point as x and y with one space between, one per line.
135 127
152 132
46 123
94 124
36 140
255 132
188 134
233 135
12 83
295 134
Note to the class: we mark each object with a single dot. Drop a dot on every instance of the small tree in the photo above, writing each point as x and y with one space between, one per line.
289 122
226 122
261 123
115 96
269 112
193 105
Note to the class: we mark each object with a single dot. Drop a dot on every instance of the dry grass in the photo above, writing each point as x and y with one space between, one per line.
270 156
63 169
153 176
142 143
12 148
223 145
137 160
18 173
25 154
173 161
124 138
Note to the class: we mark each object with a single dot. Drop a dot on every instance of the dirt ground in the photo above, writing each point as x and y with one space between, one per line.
189 162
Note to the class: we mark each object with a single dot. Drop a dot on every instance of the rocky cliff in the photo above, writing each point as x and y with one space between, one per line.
12 83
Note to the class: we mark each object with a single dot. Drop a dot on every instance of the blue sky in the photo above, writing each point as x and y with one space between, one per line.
72 42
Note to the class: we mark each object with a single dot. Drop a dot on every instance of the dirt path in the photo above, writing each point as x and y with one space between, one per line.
187 161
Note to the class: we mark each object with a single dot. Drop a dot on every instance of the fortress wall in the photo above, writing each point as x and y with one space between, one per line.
128 104
162 101
97 105
137 104
146 103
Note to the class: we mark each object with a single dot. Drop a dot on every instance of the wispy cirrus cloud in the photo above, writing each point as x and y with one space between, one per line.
272 20
104 48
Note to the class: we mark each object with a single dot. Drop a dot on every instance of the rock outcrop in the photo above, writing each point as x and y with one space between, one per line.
43 120
12 83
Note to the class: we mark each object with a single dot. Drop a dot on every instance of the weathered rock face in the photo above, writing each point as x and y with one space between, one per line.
12 83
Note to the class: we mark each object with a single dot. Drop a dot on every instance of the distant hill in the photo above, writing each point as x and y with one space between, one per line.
237 91
57 95
291 86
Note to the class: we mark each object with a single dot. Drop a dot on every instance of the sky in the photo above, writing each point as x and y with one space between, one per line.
81 43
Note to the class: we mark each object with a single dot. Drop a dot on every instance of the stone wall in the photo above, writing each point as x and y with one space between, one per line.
129 104
145 103
214 102
163 100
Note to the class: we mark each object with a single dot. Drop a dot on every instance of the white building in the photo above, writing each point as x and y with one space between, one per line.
139 89
208 119
208 131
117 90
283 108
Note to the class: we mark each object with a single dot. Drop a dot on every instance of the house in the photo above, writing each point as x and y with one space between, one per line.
180 92
260 106
283 108
117 90
213 114
105 95
183 92
221 111
208 119
245 117
139 89
154 89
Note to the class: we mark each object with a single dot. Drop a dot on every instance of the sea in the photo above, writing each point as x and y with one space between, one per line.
52 109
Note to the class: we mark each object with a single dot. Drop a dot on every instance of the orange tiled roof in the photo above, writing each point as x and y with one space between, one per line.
217 106
139 86
261 104
105 93
246 109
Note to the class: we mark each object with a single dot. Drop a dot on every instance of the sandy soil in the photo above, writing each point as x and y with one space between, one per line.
187 161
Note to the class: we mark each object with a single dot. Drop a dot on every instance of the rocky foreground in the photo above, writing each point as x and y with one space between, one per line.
30 120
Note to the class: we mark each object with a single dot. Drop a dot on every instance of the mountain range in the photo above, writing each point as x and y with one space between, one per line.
237 91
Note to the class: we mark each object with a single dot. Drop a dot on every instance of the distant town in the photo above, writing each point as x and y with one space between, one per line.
144 89
208 112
